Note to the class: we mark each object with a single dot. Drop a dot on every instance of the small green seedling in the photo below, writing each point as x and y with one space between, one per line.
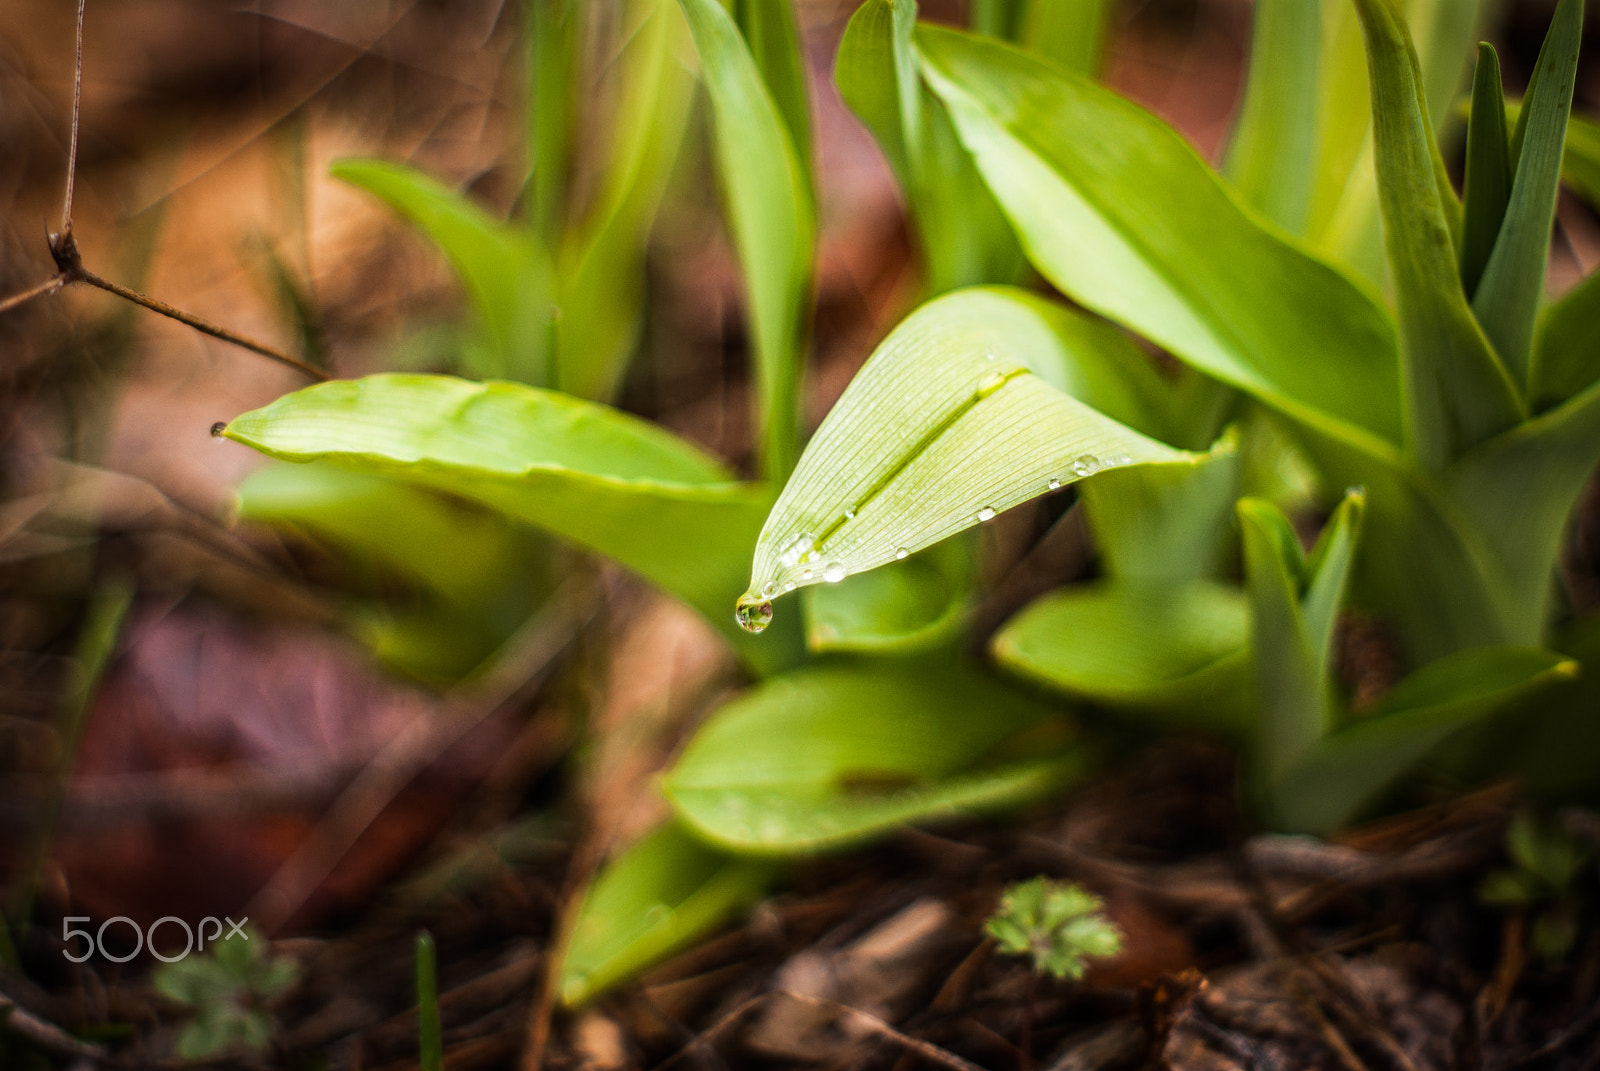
1546 861
229 990
1059 924
430 1043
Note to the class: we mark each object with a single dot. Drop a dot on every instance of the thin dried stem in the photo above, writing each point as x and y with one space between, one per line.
203 326
77 107
49 286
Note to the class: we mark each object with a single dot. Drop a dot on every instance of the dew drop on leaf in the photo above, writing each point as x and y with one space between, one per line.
1054 484
769 589
986 514
900 553
797 549
1086 465
834 572
753 615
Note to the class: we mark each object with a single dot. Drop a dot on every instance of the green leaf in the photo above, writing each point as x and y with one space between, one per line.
963 237
1567 361
1117 211
1488 178
430 1045
773 221
829 756
1166 523
605 480
1059 925
1071 33
1272 154
1294 601
904 606
505 270
1457 391
554 49
969 407
773 36
1173 652
601 264
1345 770
662 893
1581 163
1507 300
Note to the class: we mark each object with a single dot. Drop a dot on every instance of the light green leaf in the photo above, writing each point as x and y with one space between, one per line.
601 264
964 238
554 40
605 480
1568 359
971 406
1457 391
505 270
1488 177
1294 601
773 221
1071 33
773 36
829 756
467 602
1581 163
662 893
1507 300
1345 770
1271 157
904 606
1173 652
1166 523
1117 211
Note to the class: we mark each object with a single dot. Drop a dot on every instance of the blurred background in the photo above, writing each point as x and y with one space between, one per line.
209 713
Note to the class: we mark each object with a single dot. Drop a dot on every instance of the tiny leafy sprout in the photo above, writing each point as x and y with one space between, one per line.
1546 861
1059 924
228 990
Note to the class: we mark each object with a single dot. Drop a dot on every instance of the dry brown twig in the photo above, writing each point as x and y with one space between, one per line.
69 261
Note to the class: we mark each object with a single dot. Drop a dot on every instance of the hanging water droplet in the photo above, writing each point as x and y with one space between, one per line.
834 572
218 428
1054 484
753 615
900 553
986 514
797 549
990 383
769 589
1086 465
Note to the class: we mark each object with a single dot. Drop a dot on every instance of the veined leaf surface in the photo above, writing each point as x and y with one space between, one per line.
830 755
1117 211
605 480
971 406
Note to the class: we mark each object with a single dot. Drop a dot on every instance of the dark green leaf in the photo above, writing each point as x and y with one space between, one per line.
1488 179
1456 389
829 756
664 892
1507 300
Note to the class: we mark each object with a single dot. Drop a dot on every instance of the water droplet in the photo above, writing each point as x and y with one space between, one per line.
986 514
797 549
1120 459
900 553
753 615
1086 465
1054 484
218 428
834 572
849 514
789 585
659 915
805 574
769 589
988 356
990 383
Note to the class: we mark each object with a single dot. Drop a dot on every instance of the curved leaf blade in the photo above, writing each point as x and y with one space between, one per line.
771 215
1117 211
905 606
953 419
1488 176
825 757
605 480
663 892
1568 359
1272 153
1100 642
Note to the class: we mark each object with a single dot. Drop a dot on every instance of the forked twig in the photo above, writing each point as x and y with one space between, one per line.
69 262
